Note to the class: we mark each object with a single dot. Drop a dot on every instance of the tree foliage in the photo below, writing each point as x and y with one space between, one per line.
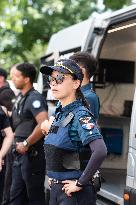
114 5
26 25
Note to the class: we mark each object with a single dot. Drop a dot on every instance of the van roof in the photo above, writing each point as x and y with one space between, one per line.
73 35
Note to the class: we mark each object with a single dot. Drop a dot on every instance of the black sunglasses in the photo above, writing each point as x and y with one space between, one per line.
58 80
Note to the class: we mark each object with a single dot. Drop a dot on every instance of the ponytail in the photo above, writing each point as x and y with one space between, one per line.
80 95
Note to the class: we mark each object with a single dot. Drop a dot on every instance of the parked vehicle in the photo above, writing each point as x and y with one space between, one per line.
111 38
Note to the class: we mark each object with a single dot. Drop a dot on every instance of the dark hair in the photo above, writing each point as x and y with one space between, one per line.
3 73
87 61
79 94
27 70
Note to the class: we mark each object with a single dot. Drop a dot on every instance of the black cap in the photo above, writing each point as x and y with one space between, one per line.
3 73
66 66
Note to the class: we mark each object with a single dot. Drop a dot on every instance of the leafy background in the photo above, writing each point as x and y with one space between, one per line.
27 25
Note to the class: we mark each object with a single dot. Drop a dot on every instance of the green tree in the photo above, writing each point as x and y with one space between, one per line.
115 5
26 25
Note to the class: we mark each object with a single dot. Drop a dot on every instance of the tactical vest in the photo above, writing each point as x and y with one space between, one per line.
23 125
64 160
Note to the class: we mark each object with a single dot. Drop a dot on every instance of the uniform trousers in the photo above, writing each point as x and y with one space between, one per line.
28 175
2 177
87 196
8 178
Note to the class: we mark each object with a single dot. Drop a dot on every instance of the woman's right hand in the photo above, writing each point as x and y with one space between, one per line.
45 125
70 187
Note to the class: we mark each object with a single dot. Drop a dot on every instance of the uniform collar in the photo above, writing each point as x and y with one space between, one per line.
68 108
86 87
31 89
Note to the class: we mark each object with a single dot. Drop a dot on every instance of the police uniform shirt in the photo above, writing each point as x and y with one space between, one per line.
92 99
33 104
83 128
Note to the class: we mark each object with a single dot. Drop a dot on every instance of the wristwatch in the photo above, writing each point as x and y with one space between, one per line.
78 184
25 143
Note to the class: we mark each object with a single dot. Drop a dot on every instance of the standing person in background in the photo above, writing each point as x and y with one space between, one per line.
29 111
6 139
74 147
88 64
7 98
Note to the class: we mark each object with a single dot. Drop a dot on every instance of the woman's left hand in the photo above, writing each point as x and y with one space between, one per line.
69 187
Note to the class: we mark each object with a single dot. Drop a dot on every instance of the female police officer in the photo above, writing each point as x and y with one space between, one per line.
74 148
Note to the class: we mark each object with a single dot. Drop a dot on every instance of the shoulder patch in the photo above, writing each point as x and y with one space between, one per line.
86 123
36 104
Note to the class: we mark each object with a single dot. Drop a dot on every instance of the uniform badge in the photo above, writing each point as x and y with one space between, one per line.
36 104
86 123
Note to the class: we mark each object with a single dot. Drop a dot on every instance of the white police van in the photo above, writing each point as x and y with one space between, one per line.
111 38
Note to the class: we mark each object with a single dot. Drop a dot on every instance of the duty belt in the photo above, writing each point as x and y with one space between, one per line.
95 181
52 181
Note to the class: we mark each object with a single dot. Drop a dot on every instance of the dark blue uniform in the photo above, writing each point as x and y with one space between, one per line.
28 169
92 99
4 123
67 152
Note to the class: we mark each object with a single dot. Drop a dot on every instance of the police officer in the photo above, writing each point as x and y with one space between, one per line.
6 139
74 148
29 162
88 65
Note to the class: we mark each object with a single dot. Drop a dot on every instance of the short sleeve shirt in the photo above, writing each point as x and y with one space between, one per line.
83 128
34 104
28 107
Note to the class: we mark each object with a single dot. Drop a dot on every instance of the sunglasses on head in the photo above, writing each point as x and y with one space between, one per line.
58 80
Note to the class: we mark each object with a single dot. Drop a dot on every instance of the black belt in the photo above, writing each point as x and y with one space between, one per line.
52 181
